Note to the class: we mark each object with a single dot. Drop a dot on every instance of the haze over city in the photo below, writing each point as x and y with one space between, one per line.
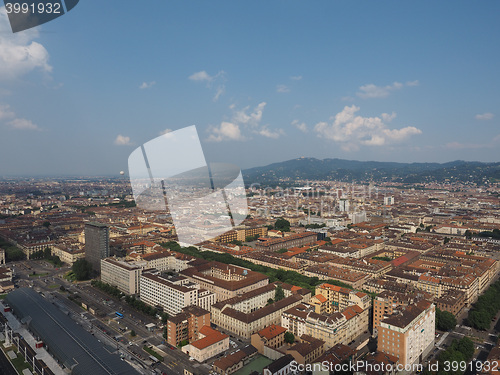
334 210
263 82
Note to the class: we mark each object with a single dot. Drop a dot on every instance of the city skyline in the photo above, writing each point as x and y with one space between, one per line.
263 83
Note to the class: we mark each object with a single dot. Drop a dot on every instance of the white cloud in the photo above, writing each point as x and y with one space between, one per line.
218 93
19 54
6 113
300 125
122 140
282 88
268 133
241 120
484 116
227 131
296 78
11 120
147 85
388 117
202 76
352 131
372 91
22 124
217 80
253 119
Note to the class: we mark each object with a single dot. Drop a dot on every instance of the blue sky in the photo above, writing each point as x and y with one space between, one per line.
263 81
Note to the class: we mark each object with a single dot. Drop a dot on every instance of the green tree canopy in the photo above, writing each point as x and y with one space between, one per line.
279 293
289 337
282 225
82 269
445 321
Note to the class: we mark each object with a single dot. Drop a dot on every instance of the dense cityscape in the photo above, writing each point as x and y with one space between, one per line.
249 187
321 277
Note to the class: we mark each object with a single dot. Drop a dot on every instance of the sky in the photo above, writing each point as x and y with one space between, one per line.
263 81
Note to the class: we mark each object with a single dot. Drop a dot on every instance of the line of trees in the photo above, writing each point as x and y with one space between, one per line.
12 253
290 277
445 321
459 352
493 234
252 238
141 306
107 288
130 300
486 307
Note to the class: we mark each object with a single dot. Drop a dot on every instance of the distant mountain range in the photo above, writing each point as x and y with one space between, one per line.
352 170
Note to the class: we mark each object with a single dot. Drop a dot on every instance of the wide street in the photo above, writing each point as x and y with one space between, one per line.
110 329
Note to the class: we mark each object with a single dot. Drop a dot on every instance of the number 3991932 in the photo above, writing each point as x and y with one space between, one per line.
45 8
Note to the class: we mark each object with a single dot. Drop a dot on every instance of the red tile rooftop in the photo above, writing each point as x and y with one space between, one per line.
271 331
212 336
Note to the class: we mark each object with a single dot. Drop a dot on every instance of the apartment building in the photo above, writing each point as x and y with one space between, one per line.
67 254
357 248
332 272
173 294
272 336
293 240
186 325
452 301
336 328
244 324
96 244
225 281
123 275
307 350
339 298
409 334
167 261
241 234
388 302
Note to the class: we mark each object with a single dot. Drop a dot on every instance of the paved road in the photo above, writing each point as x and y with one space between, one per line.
107 327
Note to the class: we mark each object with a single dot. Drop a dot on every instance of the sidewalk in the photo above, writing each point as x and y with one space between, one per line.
28 337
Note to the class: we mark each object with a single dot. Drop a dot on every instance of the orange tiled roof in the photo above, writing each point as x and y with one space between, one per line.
271 331
211 337
321 298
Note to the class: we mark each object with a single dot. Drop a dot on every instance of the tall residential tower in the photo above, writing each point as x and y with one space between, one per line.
96 244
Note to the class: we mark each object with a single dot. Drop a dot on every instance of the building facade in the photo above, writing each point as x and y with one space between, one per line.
409 335
172 294
121 274
96 244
